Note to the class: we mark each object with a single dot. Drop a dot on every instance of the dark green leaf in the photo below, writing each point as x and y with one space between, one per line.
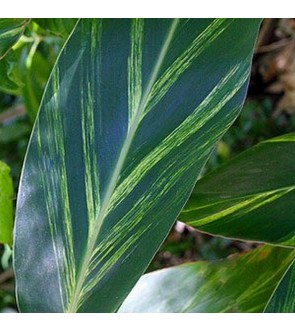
239 284
251 197
10 80
129 117
283 298
11 29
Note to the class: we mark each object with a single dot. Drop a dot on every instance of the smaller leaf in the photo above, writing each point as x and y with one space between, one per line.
283 298
241 283
11 29
10 80
6 207
251 197
34 70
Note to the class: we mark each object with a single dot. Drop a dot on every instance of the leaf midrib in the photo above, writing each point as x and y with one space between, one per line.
74 302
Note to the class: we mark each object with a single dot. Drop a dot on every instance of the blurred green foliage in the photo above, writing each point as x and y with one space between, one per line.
6 208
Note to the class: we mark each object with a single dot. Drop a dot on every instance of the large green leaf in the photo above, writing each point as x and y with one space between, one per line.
11 29
6 209
251 197
283 298
238 284
129 117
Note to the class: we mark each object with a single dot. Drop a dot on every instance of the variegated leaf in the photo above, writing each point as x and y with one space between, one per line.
129 117
283 297
238 284
251 197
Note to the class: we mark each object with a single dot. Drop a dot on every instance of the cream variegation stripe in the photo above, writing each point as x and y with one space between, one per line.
242 208
208 108
75 299
184 61
90 159
64 253
115 240
88 128
128 222
54 116
134 68
125 234
99 258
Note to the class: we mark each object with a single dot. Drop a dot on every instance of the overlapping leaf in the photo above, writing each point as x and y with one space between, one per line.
283 298
130 115
6 209
251 197
238 284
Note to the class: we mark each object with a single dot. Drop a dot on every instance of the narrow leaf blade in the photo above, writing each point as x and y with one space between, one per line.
283 298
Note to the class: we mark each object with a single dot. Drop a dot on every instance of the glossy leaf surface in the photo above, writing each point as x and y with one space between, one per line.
130 115
238 284
251 197
283 298
6 209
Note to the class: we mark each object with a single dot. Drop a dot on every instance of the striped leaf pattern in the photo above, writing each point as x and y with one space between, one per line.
251 197
131 112
242 283
283 297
